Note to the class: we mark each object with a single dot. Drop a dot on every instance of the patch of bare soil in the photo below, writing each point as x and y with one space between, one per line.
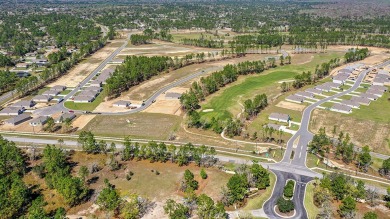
82 121
361 132
291 106
167 106
78 73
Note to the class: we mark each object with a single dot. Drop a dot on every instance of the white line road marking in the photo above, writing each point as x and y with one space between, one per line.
300 153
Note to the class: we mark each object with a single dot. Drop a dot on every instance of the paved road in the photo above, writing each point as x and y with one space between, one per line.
293 166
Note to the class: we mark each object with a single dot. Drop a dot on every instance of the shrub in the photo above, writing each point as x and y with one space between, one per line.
289 189
284 205
203 174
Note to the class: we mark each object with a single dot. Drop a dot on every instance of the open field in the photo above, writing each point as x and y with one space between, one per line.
84 68
369 125
141 125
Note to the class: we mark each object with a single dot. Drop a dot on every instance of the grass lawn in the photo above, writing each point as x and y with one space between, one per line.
65 92
142 125
312 210
327 104
361 89
346 97
85 106
258 201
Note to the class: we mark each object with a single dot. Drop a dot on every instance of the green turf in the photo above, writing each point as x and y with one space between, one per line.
312 210
327 104
85 106
224 101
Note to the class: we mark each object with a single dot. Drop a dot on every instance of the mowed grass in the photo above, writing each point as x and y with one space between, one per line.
378 111
312 210
258 201
138 125
86 106
225 102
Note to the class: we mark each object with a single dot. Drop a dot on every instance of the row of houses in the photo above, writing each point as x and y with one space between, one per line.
372 94
48 95
38 121
279 117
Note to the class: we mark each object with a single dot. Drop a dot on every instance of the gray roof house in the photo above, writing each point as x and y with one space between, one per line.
172 95
105 74
42 98
361 100
95 83
65 116
295 99
313 91
383 72
11 111
345 71
305 94
39 121
379 87
378 93
117 61
17 119
350 103
83 99
340 78
341 108
24 104
323 88
58 88
52 93
384 76
88 93
280 117
92 88
369 96
332 84
122 103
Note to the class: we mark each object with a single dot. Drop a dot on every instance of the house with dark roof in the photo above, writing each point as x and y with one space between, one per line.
18 119
332 84
42 98
11 111
40 121
83 99
313 91
323 88
345 71
59 88
305 94
341 108
295 99
24 104
88 93
369 96
172 96
350 103
92 88
375 92
273 126
64 117
361 100
280 117
122 103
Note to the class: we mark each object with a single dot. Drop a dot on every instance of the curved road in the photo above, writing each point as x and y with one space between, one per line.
295 168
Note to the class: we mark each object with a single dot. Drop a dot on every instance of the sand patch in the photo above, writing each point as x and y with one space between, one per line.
291 106
78 73
82 121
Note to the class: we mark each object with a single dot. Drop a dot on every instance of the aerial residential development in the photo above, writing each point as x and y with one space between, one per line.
194 109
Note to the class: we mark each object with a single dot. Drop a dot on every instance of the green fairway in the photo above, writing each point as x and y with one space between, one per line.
225 102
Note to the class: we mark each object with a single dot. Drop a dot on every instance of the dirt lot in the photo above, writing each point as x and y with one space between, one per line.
167 106
82 121
291 106
138 125
83 69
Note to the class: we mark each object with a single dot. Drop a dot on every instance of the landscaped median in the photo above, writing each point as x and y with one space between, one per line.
285 206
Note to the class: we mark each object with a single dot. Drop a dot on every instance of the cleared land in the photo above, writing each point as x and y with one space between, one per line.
369 125
139 125
83 69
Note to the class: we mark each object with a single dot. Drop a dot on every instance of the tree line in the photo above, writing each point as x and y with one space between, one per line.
7 80
202 42
135 70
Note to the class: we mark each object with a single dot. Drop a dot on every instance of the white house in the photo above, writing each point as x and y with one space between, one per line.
280 117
